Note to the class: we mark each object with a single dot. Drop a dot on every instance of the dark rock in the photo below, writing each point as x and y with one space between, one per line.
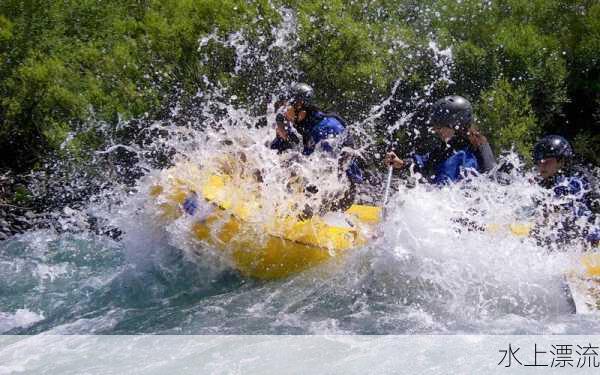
21 221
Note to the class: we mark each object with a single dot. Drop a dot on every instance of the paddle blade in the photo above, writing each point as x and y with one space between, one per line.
516 229
366 214
591 262
519 229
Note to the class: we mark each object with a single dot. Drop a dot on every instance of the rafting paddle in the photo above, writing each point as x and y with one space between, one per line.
388 184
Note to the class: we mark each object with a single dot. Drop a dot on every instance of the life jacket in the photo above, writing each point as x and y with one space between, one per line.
322 134
572 190
322 131
287 117
456 167
448 164
573 196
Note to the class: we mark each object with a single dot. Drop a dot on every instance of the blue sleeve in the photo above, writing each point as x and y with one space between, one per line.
354 173
420 161
277 144
328 129
280 145
321 134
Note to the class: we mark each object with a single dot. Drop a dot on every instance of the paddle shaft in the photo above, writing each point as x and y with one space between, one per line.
388 183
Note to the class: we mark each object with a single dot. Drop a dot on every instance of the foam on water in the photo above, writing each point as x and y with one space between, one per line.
20 318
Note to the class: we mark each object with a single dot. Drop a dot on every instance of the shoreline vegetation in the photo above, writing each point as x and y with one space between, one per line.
72 70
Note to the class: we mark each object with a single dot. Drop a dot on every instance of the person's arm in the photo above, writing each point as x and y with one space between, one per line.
391 159
483 149
488 161
285 138
417 162
280 128
346 161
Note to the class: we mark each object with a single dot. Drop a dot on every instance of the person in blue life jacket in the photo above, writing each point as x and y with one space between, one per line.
300 123
462 148
571 195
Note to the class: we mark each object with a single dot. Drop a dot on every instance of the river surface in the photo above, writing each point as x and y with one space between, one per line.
422 274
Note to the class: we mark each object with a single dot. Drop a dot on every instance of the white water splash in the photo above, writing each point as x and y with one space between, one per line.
21 318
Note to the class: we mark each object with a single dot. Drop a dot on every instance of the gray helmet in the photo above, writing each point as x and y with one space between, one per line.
302 91
552 146
453 112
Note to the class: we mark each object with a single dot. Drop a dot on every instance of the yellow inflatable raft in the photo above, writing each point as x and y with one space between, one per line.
583 281
259 247
584 285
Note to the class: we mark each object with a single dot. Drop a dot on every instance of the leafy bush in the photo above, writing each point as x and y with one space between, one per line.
530 66
506 116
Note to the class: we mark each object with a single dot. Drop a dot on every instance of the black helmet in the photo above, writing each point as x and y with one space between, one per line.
302 91
552 146
453 112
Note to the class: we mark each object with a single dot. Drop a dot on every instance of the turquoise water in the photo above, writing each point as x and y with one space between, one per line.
424 273
415 278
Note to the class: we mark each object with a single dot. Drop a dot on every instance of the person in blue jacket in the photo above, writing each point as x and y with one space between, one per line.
571 193
462 149
317 130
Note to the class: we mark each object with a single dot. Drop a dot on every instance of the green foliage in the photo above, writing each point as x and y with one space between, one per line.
64 62
338 54
530 66
548 48
21 196
352 52
586 146
5 30
534 61
507 40
506 117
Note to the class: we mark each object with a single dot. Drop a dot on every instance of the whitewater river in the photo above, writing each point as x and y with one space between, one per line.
423 274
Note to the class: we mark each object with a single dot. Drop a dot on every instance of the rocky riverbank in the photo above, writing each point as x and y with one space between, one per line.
17 213
21 211
15 220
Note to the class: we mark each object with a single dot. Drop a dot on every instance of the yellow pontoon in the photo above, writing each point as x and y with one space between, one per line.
260 247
